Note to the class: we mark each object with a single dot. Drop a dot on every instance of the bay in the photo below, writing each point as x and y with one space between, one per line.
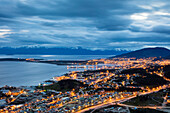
14 73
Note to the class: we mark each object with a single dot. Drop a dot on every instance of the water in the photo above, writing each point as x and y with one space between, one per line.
58 57
27 73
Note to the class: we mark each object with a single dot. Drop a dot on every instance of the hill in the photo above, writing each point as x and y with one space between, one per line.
166 70
147 52
65 85
145 78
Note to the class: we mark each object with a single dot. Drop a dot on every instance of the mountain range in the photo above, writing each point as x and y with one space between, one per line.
142 53
58 51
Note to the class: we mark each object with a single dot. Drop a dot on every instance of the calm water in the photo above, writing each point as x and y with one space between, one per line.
58 57
27 73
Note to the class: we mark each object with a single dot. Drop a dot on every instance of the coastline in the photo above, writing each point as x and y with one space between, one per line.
62 65
57 62
15 73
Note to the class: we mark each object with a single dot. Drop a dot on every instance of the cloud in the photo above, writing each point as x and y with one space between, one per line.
161 29
129 24
4 32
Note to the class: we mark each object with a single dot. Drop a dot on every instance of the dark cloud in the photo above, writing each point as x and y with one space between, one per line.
94 24
162 29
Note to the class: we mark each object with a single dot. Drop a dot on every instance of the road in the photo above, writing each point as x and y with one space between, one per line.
151 107
113 101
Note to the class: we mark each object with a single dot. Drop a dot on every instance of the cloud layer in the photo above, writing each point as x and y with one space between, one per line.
93 24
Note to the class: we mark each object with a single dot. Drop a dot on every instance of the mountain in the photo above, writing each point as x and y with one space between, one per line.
167 57
58 51
147 52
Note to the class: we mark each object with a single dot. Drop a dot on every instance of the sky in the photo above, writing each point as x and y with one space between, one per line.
91 24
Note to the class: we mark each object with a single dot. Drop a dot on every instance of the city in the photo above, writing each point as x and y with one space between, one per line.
92 89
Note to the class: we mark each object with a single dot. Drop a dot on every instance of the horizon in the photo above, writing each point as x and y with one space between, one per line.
92 25
116 49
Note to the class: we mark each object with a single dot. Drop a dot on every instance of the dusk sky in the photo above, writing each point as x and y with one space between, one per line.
91 24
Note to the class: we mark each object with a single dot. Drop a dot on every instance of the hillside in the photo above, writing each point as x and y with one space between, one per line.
167 71
65 85
147 52
145 79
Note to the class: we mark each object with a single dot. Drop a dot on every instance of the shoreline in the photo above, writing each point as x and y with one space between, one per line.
57 62
38 70
66 63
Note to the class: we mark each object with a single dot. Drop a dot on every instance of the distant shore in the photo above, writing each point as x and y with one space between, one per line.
57 62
